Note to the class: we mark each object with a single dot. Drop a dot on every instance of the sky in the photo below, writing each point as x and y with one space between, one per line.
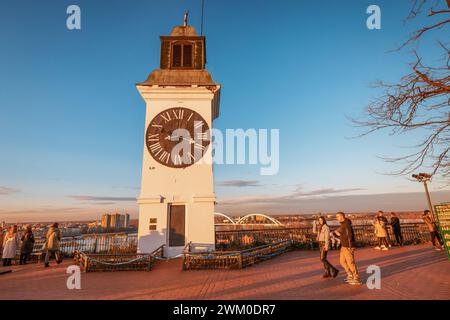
72 121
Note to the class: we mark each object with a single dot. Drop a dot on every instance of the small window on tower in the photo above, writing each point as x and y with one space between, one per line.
182 56
176 56
187 56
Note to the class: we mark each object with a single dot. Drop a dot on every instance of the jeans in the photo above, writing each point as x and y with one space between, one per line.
7 262
323 257
24 258
347 260
398 236
49 253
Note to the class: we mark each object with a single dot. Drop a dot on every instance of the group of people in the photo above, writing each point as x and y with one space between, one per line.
13 241
381 225
346 237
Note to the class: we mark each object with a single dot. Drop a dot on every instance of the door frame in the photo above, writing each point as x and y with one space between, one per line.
185 223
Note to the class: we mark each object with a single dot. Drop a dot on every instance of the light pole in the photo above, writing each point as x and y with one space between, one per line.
424 177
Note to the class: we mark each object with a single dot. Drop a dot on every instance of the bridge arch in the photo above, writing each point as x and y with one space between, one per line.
273 220
224 216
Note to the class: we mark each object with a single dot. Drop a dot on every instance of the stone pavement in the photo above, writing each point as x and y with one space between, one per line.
412 272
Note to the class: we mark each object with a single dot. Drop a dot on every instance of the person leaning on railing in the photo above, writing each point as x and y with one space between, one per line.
347 252
396 229
27 245
380 214
381 233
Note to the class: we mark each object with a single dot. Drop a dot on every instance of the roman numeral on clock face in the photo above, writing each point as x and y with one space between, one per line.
201 136
166 116
178 114
198 124
153 138
164 157
155 147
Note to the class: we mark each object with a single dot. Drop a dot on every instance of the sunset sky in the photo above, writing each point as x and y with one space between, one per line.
72 121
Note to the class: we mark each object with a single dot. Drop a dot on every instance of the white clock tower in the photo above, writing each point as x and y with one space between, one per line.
176 203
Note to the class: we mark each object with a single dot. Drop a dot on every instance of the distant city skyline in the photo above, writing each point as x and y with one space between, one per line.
71 119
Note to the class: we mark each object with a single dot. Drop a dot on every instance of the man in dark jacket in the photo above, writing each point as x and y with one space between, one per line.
27 245
347 252
396 229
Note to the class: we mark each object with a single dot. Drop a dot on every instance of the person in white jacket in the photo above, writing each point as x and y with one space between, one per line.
11 243
323 237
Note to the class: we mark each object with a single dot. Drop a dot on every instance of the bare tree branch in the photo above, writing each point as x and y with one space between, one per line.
419 102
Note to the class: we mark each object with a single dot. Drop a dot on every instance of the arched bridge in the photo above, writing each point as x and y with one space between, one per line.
249 217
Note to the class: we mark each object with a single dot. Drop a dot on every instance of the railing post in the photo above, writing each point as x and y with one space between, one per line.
85 264
95 245
240 261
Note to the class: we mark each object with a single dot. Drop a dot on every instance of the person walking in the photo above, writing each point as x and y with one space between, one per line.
436 239
27 245
10 246
52 244
347 252
396 229
323 237
381 233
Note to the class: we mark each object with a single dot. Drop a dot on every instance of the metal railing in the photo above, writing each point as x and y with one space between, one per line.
304 237
95 243
301 237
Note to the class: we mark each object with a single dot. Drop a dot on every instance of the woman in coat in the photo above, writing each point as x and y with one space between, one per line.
381 234
323 237
27 245
10 246
52 244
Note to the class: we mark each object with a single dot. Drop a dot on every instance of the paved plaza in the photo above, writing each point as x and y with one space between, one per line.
411 272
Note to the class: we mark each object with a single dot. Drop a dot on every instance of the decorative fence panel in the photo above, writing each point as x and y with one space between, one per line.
232 259
89 262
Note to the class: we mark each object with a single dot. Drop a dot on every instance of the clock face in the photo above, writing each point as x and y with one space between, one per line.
177 137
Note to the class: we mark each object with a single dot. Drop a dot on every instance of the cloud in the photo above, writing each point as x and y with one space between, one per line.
240 183
295 196
6 190
56 213
48 210
102 199
329 202
324 191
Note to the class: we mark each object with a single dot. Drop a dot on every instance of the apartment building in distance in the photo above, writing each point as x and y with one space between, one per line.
115 220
